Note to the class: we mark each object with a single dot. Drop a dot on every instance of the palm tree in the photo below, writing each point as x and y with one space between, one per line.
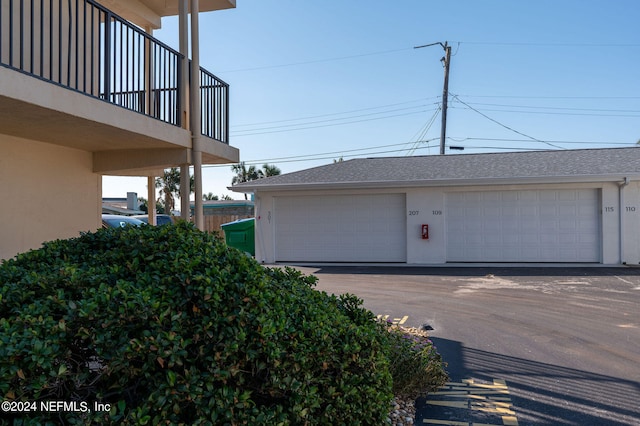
244 175
211 197
169 185
270 170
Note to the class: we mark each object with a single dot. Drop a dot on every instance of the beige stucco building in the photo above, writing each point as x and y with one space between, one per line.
86 91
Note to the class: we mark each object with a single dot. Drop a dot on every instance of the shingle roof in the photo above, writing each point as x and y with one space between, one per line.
530 166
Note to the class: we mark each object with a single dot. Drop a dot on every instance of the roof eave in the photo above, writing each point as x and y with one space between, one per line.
618 177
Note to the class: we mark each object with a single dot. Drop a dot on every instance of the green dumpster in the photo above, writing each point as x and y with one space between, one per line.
241 235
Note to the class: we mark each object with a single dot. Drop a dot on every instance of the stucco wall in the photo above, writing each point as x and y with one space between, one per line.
427 206
46 192
630 212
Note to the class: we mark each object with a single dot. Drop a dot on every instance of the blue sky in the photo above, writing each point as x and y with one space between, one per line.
312 81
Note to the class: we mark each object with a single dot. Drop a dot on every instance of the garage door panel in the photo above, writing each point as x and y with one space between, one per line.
523 226
587 239
350 228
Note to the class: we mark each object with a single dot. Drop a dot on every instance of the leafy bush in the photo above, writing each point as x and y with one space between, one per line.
169 326
415 364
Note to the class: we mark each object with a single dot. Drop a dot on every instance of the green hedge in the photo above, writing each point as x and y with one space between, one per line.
169 326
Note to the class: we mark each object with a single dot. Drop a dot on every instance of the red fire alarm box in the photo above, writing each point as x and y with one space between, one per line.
425 232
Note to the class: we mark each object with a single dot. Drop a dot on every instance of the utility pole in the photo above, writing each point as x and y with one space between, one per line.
445 95
446 60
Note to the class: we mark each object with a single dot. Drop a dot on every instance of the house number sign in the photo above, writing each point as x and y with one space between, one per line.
417 212
628 209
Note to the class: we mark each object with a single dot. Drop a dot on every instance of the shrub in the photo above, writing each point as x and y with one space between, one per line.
416 366
169 326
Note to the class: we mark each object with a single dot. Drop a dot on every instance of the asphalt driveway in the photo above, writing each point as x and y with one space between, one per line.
524 346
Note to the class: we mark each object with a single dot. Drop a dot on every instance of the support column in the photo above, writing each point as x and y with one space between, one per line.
151 180
151 200
194 95
185 192
183 25
197 178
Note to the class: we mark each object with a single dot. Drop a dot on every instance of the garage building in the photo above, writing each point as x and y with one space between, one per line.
564 206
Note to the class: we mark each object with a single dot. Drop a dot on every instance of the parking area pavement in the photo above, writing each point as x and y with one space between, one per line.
524 346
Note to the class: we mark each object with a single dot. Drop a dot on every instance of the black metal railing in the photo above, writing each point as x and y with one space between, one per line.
83 46
214 106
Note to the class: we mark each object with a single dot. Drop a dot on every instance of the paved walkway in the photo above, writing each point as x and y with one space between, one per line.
525 346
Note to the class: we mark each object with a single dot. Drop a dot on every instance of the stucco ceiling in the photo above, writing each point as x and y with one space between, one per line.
170 7
147 13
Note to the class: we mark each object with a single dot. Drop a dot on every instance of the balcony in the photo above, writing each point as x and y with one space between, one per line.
91 80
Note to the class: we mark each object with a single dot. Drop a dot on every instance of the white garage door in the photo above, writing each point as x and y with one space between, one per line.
523 226
349 228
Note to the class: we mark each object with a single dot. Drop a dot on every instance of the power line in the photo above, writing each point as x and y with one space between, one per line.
539 44
584 114
329 155
505 148
476 43
554 108
555 111
316 61
549 97
332 154
455 97
423 132
336 113
326 125
327 120
549 141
